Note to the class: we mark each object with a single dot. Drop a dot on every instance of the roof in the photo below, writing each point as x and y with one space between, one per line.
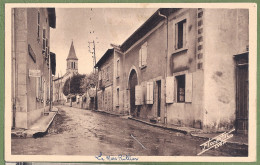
108 53
52 17
72 53
152 22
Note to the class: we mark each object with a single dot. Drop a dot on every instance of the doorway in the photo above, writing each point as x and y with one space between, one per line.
158 83
242 92
132 83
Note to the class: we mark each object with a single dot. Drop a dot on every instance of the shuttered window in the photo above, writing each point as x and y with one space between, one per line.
169 89
149 93
117 94
117 68
44 41
38 25
143 55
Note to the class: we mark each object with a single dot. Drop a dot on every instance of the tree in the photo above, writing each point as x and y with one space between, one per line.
73 85
89 81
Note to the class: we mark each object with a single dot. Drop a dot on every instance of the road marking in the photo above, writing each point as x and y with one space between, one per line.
138 142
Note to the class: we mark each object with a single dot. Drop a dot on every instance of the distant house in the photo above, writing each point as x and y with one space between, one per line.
33 64
181 67
105 81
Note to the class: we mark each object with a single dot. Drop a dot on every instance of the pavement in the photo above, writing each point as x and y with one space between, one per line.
41 126
38 128
237 139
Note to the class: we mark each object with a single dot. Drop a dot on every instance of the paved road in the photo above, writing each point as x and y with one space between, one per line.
83 132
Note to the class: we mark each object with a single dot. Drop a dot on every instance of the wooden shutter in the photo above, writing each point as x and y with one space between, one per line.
140 58
144 54
169 89
149 91
188 87
138 95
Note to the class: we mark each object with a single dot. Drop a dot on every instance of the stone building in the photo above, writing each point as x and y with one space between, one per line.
105 81
182 68
31 64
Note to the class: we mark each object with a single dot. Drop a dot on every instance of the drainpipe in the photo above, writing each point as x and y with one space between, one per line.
166 60
14 93
50 73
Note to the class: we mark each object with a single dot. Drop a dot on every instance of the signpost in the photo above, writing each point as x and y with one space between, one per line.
34 73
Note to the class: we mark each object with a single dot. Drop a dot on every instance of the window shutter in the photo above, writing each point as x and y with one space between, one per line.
188 87
144 54
140 58
149 95
169 89
138 95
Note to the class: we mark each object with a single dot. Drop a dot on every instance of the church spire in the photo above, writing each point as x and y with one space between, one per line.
72 53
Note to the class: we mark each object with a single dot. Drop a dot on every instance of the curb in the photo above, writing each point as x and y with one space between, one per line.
105 112
27 133
159 126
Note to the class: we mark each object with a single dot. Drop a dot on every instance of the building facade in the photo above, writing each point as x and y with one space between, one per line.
182 68
105 81
31 64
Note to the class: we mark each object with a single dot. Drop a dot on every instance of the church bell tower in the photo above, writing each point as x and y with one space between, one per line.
72 60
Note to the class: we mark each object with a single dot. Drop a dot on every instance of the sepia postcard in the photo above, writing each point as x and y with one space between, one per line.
139 82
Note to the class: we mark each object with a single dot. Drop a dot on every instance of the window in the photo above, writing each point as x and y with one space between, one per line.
43 40
38 24
117 68
117 96
180 88
143 55
107 73
39 88
46 49
180 34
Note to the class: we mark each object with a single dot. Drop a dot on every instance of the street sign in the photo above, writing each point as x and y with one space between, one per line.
34 73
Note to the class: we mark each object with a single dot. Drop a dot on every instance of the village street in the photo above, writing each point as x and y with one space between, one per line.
84 132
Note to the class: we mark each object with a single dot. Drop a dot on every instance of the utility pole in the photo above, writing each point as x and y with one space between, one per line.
94 69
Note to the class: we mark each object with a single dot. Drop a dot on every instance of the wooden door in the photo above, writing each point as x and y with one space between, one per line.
158 98
242 93
132 83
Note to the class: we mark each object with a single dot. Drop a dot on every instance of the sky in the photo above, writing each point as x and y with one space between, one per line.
101 25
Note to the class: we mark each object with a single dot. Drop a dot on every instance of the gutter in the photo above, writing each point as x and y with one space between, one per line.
166 59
